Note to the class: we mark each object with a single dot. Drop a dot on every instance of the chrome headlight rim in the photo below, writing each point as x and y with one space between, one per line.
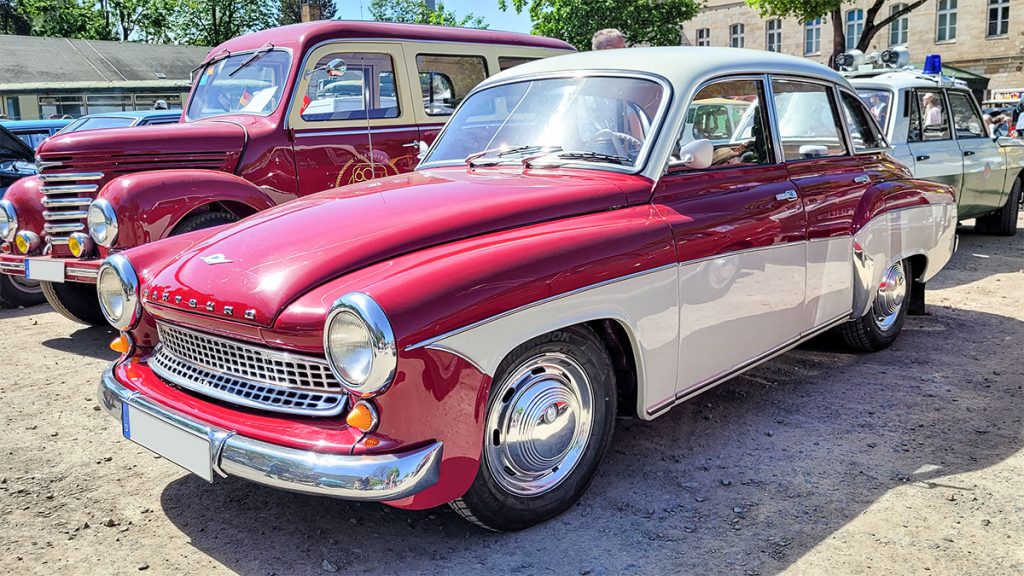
104 233
128 281
383 349
8 221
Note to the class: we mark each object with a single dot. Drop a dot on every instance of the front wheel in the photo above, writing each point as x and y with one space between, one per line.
75 301
549 422
879 328
18 291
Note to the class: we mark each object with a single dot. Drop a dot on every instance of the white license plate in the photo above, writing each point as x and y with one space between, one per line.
44 269
184 448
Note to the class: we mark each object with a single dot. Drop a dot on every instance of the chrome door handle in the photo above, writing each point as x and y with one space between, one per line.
922 158
413 144
862 179
787 195
968 152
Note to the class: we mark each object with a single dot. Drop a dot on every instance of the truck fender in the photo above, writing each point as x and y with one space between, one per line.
149 205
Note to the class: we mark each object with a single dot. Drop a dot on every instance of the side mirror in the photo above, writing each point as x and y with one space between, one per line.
336 67
813 151
696 155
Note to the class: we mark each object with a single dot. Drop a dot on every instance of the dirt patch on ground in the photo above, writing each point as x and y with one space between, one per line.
910 461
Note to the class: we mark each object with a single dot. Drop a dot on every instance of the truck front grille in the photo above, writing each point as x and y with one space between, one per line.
66 198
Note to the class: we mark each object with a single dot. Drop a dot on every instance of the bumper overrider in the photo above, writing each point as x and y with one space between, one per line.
351 477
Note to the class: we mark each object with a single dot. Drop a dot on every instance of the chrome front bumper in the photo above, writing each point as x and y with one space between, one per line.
337 475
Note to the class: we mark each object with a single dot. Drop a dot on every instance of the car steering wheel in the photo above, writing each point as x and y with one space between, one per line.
619 135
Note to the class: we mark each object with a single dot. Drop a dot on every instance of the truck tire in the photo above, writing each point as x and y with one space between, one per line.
75 301
878 329
194 222
1003 222
17 291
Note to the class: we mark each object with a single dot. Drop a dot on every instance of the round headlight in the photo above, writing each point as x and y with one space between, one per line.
8 221
117 287
360 345
102 223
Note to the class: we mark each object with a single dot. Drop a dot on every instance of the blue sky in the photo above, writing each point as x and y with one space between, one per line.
498 20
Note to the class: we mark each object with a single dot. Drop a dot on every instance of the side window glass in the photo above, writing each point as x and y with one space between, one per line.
506 62
445 80
929 120
731 114
351 86
965 116
863 131
808 125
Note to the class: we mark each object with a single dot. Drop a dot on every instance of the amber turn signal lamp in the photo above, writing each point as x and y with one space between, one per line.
122 344
362 416
26 241
371 442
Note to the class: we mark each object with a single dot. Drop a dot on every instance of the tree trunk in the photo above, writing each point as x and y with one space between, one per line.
838 36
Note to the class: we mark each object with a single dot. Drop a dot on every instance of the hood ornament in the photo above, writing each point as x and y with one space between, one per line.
213 259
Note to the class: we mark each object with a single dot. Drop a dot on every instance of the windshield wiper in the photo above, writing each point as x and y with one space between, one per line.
499 152
255 56
582 155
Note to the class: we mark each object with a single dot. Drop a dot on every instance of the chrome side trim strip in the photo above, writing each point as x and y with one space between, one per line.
71 176
736 371
18 267
338 475
353 131
82 272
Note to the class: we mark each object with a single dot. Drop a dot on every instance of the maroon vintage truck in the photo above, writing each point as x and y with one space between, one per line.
272 116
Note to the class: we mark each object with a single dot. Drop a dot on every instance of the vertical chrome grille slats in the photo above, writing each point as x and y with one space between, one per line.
66 214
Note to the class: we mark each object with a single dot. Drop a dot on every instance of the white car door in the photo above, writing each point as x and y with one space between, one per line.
936 154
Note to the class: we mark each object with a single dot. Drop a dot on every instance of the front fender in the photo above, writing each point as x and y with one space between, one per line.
150 204
27 199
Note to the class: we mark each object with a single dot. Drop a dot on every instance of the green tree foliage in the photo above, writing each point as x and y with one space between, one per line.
12 20
833 10
65 18
290 11
652 22
417 12
210 22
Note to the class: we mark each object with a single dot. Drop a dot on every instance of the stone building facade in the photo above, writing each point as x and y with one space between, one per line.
985 37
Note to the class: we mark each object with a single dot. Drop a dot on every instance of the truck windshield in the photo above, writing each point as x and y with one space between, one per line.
590 119
245 83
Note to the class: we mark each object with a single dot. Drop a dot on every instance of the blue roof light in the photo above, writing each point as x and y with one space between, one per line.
933 64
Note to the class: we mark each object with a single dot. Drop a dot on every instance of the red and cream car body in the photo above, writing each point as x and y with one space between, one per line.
571 248
272 116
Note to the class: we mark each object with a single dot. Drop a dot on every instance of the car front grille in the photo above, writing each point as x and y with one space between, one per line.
246 375
66 199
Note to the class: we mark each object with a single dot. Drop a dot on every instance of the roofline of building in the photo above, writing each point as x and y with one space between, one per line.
90 85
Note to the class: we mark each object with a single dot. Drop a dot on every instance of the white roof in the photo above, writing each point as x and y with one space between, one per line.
899 79
680 65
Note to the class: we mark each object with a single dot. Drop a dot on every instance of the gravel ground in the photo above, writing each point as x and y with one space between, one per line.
907 461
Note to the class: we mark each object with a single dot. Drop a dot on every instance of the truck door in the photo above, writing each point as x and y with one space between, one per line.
936 155
352 116
984 169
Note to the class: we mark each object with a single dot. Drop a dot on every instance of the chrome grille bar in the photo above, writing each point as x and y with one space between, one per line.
66 228
68 189
71 176
66 202
69 215
65 215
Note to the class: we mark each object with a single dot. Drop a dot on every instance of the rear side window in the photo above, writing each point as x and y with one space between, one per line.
863 130
928 118
965 116
445 80
808 125
351 86
506 62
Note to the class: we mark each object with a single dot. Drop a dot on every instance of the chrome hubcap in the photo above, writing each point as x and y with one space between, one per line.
538 427
891 293
25 285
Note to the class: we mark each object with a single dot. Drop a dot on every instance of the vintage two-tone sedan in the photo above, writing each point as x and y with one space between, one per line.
565 253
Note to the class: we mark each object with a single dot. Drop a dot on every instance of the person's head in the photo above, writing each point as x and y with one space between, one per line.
608 39
160 105
875 100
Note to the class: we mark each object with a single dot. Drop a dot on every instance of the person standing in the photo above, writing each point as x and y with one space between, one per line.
608 39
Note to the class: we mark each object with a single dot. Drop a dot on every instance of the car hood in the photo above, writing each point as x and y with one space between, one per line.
261 264
159 143
13 149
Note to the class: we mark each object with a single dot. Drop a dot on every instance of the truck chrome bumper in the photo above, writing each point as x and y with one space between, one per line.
84 271
337 475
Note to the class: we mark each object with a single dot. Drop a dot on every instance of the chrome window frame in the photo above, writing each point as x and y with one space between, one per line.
831 89
887 146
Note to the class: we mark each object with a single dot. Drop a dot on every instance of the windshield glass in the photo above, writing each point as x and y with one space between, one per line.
877 101
249 83
577 118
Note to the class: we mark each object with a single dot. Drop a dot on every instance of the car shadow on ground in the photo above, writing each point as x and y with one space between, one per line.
980 256
744 479
92 341
23 312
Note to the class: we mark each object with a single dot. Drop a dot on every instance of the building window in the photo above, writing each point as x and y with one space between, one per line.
854 28
998 17
773 35
899 29
812 37
704 37
736 36
945 25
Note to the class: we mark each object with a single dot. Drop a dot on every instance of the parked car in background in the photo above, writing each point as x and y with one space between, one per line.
936 128
272 116
127 119
468 333
16 162
33 132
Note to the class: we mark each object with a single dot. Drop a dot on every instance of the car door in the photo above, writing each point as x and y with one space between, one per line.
984 169
352 116
738 227
930 138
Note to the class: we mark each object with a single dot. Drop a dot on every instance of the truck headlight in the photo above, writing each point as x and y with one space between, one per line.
102 223
8 221
360 345
118 289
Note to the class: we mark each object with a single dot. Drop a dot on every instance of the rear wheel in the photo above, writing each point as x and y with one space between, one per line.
18 291
75 301
549 422
1003 222
879 328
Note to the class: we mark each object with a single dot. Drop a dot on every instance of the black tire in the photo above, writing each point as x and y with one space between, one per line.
16 291
203 220
75 301
488 503
1003 222
866 334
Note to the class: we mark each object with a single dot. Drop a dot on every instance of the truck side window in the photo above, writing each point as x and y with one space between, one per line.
863 131
808 124
445 80
731 115
506 62
928 118
965 116
351 86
